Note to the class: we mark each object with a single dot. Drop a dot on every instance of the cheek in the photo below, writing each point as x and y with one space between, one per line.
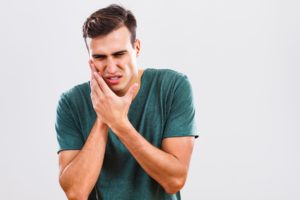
99 66
122 62
130 64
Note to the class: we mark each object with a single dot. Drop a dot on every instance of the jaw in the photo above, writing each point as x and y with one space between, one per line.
120 89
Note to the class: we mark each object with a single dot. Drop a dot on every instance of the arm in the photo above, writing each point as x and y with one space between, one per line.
168 166
79 169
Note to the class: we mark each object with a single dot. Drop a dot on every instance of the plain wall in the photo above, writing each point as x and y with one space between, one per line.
242 58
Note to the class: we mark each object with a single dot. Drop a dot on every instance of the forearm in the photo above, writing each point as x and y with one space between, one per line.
165 168
80 175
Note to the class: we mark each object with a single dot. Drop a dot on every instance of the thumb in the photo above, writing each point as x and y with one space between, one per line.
131 90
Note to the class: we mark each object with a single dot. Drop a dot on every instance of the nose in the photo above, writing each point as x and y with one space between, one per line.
111 66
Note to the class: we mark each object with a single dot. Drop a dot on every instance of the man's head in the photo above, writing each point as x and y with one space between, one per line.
110 36
108 19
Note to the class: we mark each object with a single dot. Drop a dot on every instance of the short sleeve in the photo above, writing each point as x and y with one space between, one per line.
181 117
67 131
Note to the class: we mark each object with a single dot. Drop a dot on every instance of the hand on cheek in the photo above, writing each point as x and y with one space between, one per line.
109 107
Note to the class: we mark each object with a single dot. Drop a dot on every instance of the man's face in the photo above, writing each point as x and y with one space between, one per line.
115 59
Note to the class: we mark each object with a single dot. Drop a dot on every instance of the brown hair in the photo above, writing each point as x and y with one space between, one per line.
108 19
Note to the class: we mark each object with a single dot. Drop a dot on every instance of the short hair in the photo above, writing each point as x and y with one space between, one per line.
105 20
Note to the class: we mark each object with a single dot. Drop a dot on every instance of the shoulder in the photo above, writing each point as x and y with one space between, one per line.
166 78
165 73
76 95
77 91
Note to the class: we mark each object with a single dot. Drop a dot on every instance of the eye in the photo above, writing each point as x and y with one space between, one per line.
120 54
99 57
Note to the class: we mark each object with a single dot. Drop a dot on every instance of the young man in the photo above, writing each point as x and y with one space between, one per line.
128 133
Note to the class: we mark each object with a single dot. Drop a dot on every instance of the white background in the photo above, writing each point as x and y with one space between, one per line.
242 58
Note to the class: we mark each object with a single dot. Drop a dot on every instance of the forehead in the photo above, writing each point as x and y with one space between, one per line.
118 39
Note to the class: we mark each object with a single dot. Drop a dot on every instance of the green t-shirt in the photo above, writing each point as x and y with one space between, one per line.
162 108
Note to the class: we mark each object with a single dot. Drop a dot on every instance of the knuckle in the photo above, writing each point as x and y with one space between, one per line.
97 104
101 100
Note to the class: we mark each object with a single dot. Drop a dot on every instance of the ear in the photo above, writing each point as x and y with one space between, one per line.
137 47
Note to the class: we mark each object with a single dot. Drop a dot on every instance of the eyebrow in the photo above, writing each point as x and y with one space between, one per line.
104 56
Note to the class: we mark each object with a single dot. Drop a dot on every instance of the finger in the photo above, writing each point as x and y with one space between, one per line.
92 66
94 96
104 87
95 88
131 91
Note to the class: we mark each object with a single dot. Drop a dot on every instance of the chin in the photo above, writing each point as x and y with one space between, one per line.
118 90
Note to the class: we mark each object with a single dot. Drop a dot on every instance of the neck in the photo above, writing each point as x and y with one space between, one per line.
139 81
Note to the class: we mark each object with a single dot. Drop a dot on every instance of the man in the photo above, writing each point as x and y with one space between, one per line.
128 133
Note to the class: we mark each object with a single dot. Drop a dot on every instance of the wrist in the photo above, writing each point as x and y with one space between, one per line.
121 127
100 123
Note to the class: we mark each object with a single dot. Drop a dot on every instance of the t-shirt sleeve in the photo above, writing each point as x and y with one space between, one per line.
181 117
67 131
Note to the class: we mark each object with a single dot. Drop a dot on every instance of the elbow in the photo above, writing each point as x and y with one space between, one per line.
72 192
175 185
72 195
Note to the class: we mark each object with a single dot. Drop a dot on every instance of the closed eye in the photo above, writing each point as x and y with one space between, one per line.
99 57
119 54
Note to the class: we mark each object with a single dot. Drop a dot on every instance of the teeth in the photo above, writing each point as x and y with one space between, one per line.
113 78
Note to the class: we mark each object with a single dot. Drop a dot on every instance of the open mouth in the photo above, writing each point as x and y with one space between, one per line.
113 79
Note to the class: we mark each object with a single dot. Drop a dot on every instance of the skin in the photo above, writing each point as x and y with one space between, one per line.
113 55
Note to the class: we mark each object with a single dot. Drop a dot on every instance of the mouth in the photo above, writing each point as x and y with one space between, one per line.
113 80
